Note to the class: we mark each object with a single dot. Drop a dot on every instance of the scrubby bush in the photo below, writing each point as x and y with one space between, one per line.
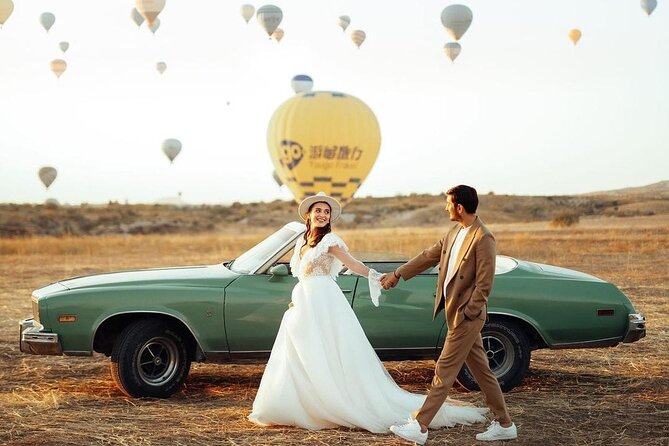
564 219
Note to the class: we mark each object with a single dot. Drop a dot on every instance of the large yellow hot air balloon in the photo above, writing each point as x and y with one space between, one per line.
149 9
6 8
323 141
574 35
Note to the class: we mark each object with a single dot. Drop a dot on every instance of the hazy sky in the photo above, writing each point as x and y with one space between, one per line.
521 111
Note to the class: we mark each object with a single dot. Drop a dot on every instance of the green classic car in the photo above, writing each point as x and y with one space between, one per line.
154 323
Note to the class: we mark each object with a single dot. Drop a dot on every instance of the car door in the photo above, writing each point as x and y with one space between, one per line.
402 326
254 306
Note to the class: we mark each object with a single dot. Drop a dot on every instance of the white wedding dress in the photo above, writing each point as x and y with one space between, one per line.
323 372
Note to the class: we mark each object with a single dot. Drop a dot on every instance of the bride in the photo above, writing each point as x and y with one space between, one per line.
322 371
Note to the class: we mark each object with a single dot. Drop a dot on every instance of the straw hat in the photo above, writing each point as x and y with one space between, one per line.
335 207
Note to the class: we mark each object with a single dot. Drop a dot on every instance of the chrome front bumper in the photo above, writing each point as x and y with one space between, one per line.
36 342
636 328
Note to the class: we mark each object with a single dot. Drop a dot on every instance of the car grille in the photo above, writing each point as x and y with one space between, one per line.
36 310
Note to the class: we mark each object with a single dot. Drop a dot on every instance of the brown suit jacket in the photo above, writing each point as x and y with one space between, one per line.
469 286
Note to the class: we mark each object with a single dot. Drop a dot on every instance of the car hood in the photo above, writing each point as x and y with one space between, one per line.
555 272
193 276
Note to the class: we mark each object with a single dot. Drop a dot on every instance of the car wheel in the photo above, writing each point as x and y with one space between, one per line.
508 353
150 358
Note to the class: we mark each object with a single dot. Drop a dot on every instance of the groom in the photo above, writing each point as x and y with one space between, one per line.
466 255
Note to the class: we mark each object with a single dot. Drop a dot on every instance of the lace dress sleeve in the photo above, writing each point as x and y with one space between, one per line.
373 277
374 280
328 240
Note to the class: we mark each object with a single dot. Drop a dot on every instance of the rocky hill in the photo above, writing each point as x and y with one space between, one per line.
24 220
659 189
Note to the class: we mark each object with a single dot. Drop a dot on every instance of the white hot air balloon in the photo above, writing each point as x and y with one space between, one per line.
136 17
154 26
302 83
247 12
161 67
149 9
358 37
648 6
456 19
278 35
171 148
452 50
58 66
343 21
47 174
269 17
6 8
47 20
64 46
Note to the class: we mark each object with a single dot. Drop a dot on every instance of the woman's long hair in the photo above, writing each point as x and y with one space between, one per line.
318 233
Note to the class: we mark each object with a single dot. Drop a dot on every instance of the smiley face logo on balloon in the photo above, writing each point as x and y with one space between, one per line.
291 153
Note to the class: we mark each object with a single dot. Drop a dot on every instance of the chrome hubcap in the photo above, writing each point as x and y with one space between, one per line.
158 360
499 352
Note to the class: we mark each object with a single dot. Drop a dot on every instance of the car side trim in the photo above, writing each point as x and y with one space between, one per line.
606 342
78 353
255 356
95 332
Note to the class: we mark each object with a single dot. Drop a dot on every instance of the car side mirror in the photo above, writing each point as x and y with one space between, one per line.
279 270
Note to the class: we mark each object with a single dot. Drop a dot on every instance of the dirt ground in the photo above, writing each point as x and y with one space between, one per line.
614 396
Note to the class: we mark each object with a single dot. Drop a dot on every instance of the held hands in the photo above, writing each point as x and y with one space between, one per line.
389 280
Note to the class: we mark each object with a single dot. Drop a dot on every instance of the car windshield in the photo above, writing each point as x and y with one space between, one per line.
257 256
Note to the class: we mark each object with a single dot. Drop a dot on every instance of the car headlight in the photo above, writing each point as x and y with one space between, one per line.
636 317
35 310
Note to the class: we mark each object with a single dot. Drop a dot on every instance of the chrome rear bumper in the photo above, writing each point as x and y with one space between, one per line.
36 342
636 329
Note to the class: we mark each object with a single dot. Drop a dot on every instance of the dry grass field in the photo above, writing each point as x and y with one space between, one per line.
616 396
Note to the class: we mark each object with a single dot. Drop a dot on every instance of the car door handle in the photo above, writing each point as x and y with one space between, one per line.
346 291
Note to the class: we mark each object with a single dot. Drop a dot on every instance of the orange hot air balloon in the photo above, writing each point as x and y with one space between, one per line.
149 9
58 66
6 8
358 37
574 35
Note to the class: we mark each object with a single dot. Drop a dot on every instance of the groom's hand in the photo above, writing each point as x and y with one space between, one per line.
389 280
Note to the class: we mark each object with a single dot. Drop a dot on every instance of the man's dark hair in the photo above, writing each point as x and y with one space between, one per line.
466 196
